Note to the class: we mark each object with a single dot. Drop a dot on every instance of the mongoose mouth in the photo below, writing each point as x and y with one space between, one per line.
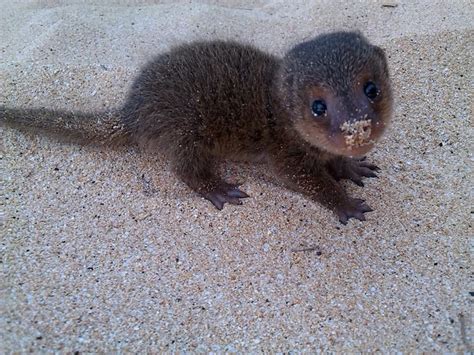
357 152
351 145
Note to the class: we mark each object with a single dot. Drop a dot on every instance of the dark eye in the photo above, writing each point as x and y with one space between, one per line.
371 90
319 108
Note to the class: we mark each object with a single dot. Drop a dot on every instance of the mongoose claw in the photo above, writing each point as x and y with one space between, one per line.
353 169
225 193
353 208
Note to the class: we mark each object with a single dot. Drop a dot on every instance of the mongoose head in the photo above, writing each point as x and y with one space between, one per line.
337 93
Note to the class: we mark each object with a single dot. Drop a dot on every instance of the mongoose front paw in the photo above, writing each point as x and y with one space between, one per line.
223 193
353 169
352 208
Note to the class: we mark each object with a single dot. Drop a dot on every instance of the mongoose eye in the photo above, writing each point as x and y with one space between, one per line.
371 90
319 108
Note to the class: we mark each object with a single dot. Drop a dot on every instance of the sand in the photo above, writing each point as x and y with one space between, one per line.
107 251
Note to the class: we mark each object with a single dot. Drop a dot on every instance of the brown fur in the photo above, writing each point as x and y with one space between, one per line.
204 102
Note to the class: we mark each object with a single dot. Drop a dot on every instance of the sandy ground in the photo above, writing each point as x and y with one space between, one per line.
107 251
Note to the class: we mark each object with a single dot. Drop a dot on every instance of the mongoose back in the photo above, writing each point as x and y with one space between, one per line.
312 115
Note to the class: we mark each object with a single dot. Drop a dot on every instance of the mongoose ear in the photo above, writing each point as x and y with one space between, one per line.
380 52
383 59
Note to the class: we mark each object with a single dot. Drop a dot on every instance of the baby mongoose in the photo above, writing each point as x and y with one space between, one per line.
312 115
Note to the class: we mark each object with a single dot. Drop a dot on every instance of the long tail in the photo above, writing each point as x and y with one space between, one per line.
80 127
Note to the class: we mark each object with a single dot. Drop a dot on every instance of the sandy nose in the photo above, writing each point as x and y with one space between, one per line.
356 133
